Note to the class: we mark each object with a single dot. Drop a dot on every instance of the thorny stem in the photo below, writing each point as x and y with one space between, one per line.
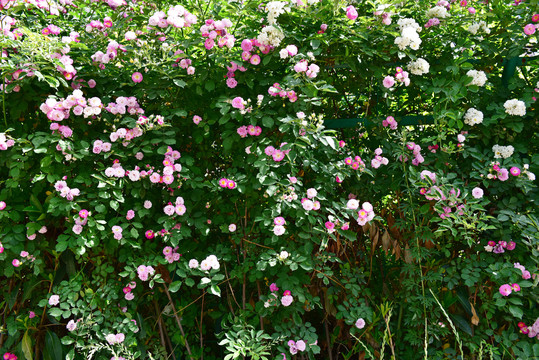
160 324
178 320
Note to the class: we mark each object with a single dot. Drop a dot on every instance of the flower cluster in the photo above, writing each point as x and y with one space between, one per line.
500 247
60 110
391 122
116 170
310 70
100 146
409 36
473 117
227 183
386 17
230 81
525 273
5 143
80 221
502 151
210 262
295 346
496 172
400 75
279 223
171 254
529 174
290 50
439 12
270 36
65 191
111 54
379 159
25 256
238 103
97 24
479 26
355 162
416 151
365 214
276 154
144 272
216 31
419 66
308 203
277 90
176 16
507 289
51 29
113 339
274 9
252 130
9 356
124 105
289 194
432 22
117 231
177 208
531 331
128 291
515 107
479 78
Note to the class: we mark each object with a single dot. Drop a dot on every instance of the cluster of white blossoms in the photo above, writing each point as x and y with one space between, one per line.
270 36
211 262
502 151
479 77
419 66
409 34
274 9
473 117
439 12
476 26
515 107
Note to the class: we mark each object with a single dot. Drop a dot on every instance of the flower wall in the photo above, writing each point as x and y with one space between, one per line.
268 180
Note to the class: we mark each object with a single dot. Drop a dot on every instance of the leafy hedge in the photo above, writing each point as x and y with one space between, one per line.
312 179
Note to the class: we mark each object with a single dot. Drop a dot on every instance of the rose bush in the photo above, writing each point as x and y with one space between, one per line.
280 180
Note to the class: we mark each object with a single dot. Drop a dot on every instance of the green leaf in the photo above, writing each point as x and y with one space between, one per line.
53 347
215 290
70 355
179 82
27 346
267 121
516 311
114 204
52 81
134 233
175 286
56 312
462 323
266 60
209 85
